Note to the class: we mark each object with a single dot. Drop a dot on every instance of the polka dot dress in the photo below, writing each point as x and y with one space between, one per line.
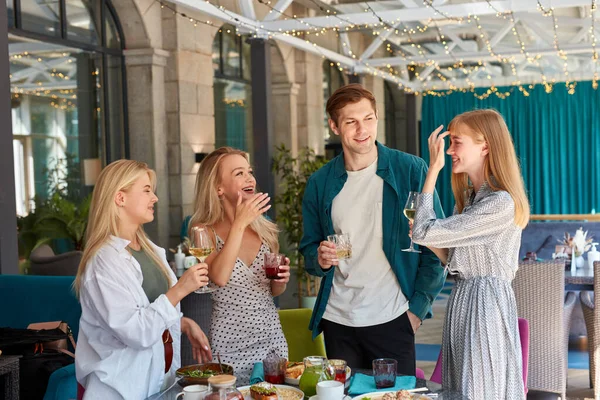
245 324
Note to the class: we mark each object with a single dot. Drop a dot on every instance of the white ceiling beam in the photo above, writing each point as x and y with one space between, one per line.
378 41
509 81
361 69
501 34
236 19
426 72
221 14
456 39
480 8
247 9
476 56
281 6
579 36
539 32
346 45
562 21
438 50
408 48
404 73
409 3
522 67
317 50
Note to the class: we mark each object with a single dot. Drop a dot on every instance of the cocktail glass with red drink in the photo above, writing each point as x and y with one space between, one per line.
272 263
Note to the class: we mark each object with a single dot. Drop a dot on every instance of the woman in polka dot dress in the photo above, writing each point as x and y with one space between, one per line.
245 324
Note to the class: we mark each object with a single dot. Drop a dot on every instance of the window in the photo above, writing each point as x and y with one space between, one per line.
232 90
67 93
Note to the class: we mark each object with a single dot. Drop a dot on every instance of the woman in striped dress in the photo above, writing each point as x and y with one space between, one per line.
481 351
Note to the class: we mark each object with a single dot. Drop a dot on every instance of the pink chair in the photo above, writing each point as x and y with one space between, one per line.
436 376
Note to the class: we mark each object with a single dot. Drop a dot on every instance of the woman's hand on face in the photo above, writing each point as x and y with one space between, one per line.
194 278
247 211
284 273
436 149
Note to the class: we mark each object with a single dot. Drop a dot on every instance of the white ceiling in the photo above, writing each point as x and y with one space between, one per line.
441 45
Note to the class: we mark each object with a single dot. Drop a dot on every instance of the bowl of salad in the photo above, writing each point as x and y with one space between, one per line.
198 374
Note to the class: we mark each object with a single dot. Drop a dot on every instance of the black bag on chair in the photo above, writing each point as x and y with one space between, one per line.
37 362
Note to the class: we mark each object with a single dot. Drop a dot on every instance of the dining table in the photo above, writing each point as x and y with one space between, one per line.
433 390
579 279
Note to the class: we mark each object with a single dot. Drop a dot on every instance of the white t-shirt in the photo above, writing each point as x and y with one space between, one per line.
365 289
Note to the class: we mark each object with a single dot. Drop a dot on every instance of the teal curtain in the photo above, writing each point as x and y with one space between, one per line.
557 139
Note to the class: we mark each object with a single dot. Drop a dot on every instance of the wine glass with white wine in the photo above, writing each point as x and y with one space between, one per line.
409 213
201 247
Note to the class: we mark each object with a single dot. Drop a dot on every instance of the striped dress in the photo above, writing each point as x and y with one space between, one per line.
481 349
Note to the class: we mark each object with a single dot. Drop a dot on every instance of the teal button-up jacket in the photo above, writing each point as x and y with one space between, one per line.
421 276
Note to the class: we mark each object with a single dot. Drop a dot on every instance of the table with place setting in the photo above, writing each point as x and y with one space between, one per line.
420 389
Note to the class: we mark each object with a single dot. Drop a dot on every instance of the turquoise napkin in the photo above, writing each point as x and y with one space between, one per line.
258 373
361 384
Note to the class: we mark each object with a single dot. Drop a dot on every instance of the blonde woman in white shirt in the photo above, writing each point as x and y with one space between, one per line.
129 296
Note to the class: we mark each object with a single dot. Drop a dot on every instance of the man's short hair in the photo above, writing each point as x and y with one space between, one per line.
345 95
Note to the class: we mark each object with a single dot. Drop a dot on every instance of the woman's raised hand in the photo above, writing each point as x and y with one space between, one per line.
436 149
248 210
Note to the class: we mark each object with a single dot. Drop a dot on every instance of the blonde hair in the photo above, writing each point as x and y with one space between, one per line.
103 220
208 209
501 162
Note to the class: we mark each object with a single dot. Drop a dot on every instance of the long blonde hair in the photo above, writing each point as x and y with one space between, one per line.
103 220
501 162
208 209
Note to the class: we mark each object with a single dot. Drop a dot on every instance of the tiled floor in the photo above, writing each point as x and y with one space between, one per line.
431 333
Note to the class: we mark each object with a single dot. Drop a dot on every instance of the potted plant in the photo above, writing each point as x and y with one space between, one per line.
294 173
60 219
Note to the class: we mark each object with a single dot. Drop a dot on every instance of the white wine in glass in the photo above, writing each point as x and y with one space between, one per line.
409 213
200 253
201 247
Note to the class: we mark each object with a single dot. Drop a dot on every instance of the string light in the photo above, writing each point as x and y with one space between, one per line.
393 74
521 43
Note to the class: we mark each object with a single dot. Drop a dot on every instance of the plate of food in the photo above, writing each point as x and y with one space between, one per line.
395 395
294 371
267 391
198 374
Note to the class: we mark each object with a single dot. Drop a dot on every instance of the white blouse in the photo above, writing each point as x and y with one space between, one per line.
120 353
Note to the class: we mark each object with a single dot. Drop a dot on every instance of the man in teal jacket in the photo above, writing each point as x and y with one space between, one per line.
370 305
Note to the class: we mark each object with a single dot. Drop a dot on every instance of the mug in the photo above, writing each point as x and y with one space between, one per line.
193 392
330 390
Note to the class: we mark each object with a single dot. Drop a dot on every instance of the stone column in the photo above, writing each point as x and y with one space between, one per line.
147 127
285 114
375 85
309 75
190 110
